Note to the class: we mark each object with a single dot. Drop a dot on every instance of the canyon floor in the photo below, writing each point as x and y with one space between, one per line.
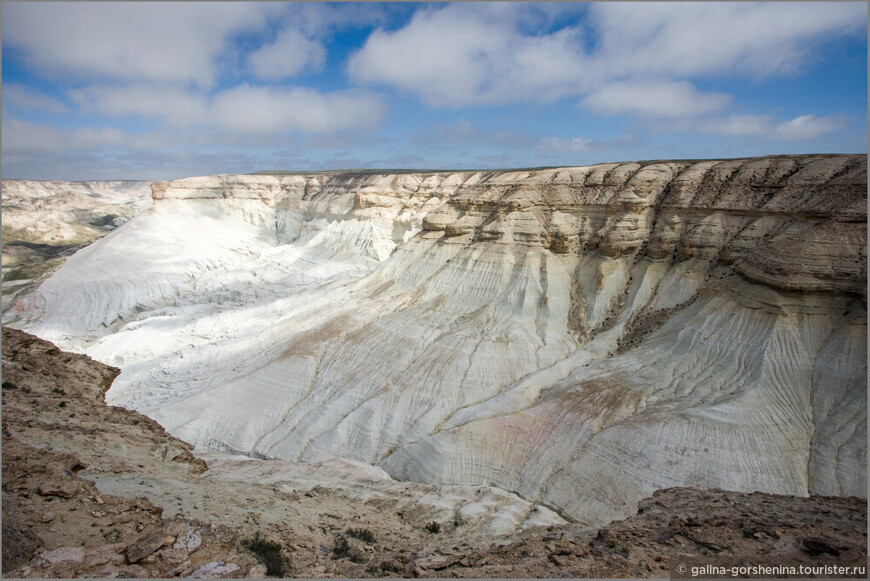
91 490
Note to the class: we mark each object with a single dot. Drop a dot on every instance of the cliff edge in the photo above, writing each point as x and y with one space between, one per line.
579 336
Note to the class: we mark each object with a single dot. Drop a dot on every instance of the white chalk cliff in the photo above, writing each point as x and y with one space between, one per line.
579 336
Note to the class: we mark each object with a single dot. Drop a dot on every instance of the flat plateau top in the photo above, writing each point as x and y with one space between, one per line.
389 171
393 171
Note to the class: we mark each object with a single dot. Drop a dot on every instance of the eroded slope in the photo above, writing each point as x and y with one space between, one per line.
97 491
582 336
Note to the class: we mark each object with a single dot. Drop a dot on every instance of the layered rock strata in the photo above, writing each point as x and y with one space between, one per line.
580 336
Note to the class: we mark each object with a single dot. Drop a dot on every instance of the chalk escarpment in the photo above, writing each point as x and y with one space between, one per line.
581 336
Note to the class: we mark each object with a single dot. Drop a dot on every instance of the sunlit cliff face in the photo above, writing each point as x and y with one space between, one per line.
580 336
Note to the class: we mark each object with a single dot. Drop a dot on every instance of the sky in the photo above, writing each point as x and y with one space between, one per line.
165 90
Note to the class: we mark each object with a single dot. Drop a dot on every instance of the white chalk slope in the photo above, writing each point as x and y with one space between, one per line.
579 336
69 212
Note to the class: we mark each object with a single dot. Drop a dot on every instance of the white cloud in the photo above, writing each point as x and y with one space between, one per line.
451 135
151 164
319 19
800 128
737 125
179 42
41 151
290 54
21 97
469 54
807 127
562 144
464 131
23 136
242 109
171 62
174 104
654 98
335 141
752 38
270 110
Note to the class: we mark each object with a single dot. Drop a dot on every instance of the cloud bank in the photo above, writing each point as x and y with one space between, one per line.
457 84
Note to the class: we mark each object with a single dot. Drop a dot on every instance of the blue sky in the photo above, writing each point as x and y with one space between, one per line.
167 90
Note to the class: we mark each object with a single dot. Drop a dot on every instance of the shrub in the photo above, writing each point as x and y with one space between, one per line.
433 527
392 567
625 550
365 535
269 554
343 550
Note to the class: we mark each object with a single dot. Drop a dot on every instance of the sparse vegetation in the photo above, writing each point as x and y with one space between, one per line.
392 566
342 549
365 535
433 527
268 553
625 550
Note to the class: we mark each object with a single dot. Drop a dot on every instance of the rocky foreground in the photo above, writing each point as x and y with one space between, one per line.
91 490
